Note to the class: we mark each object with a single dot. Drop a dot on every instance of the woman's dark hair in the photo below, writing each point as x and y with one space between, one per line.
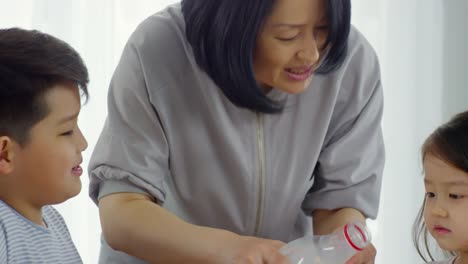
31 63
449 143
223 34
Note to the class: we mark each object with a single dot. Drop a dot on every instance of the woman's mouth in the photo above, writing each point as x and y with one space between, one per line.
299 74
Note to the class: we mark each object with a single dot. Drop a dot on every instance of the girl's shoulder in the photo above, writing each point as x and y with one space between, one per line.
447 261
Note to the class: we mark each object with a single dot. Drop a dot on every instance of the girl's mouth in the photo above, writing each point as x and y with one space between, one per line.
440 230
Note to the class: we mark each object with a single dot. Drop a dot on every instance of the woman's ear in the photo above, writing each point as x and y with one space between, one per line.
6 155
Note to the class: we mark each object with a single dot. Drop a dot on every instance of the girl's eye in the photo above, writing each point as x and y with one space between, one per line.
455 196
430 194
68 133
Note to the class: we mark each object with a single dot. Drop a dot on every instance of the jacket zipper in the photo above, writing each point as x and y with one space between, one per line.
261 173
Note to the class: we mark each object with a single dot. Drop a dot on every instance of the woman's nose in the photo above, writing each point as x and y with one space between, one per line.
309 55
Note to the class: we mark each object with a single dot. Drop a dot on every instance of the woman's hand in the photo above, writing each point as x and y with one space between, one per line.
251 250
366 256
329 221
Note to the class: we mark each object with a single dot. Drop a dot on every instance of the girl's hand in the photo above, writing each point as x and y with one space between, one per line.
366 256
252 250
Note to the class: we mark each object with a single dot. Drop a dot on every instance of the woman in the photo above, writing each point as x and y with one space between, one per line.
236 126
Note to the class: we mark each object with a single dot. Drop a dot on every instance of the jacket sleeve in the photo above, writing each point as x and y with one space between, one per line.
350 165
132 153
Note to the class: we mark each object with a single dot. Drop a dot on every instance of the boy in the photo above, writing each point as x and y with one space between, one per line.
40 145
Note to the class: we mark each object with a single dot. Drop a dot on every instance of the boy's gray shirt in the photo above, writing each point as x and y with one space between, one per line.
22 241
172 134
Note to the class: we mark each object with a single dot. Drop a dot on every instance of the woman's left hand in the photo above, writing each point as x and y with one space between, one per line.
366 256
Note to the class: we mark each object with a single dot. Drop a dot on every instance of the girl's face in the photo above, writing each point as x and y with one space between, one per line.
290 44
446 205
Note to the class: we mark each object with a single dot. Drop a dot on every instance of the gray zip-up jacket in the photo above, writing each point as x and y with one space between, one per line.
172 134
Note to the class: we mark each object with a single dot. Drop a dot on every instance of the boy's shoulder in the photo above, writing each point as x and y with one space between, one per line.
28 238
12 221
7 213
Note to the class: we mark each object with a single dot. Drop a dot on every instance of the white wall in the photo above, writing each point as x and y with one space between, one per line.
455 59
412 84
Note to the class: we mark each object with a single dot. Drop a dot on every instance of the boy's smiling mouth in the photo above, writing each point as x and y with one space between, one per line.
77 170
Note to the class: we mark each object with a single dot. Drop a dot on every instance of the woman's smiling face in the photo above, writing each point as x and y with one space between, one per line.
290 44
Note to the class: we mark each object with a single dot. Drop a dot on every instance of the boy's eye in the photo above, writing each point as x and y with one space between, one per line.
68 133
456 196
430 194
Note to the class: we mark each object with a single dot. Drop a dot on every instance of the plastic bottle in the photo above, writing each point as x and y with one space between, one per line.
334 248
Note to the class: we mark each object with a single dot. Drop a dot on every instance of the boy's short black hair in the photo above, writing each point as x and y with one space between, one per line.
31 63
223 33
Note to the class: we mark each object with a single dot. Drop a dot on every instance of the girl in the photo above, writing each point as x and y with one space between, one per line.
445 210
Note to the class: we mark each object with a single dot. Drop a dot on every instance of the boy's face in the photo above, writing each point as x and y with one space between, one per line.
47 169
446 206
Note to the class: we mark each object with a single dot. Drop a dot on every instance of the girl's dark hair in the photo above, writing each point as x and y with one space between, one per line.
223 33
449 143
31 63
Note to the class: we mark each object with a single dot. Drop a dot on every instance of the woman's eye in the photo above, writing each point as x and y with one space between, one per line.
321 29
456 196
287 39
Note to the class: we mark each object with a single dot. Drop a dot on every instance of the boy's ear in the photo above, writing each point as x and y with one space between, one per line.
6 155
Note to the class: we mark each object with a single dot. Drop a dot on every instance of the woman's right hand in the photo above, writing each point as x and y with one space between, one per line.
175 241
251 250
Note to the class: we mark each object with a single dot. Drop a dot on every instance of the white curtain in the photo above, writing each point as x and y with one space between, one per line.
421 48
